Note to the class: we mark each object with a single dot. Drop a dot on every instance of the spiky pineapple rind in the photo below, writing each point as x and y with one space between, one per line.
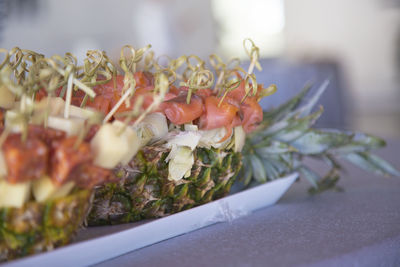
145 192
38 227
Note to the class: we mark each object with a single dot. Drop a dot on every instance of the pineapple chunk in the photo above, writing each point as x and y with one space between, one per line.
71 126
3 165
111 146
14 121
14 195
240 138
132 142
44 189
83 113
57 105
7 98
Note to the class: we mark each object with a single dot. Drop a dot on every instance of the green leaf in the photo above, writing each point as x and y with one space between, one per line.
272 129
281 111
310 175
258 169
383 164
317 142
370 141
297 128
274 147
360 142
372 163
287 159
305 110
276 161
348 149
270 170
328 182
246 172
331 161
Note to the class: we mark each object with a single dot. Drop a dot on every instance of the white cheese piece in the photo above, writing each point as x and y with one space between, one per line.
13 121
240 138
7 98
57 105
71 126
14 195
3 165
131 141
83 113
44 189
111 145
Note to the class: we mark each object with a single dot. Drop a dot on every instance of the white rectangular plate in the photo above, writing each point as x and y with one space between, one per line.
97 244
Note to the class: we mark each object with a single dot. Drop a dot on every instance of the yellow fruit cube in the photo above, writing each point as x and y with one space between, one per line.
113 144
71 126
44 189
7 98
14 195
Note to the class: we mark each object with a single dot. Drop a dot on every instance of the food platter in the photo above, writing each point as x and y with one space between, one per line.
89 145
95 241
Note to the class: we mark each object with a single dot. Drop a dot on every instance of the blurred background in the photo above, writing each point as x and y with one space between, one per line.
355 44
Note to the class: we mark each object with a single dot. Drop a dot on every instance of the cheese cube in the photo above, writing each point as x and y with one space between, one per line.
7 98
71 126
113 144
14 195
44 189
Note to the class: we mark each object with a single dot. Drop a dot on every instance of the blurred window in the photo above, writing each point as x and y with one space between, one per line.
261 20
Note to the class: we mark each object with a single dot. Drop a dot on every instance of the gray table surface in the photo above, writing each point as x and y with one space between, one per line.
357 227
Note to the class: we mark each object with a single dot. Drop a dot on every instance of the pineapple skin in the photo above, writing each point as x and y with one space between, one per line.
38 227
144 191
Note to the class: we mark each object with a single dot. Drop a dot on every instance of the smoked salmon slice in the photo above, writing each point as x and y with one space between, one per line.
179 112
217 117
252 114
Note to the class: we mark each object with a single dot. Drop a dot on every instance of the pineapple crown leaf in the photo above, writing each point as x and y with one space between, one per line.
286 136
372 163
328 182
281 111
305 109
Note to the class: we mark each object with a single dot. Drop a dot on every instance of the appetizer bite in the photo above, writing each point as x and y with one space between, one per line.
47 168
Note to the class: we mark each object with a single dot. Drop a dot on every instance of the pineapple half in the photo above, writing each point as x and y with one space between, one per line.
41 226
144 190
276 148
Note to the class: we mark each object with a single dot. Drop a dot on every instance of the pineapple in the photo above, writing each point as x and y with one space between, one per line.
144 190
37 227
276 148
